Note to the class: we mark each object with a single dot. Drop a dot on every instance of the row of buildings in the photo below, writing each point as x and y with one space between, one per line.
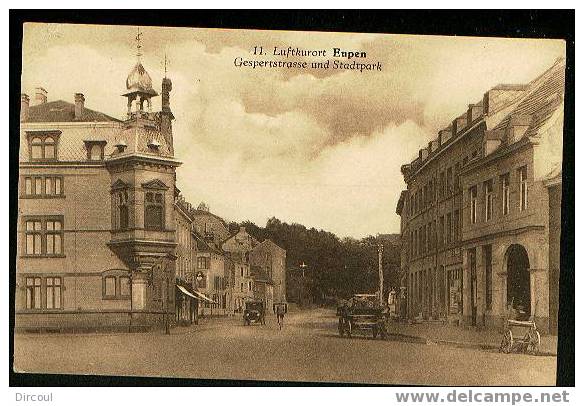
105 239
481 215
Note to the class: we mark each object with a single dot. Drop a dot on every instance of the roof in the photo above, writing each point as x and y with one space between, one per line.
197 212
554 177
544 95
267 241
60 111
203 246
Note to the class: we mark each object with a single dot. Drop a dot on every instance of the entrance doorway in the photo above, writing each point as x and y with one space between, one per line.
518 282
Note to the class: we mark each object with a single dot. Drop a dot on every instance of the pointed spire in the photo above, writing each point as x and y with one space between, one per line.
165 65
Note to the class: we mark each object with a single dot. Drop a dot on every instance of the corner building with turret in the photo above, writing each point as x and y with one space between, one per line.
96 226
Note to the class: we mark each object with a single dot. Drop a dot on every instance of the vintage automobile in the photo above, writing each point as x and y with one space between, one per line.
254 313
363 314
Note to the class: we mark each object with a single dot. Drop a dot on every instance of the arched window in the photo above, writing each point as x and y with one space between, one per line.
49 148
43 146
36 148
154 211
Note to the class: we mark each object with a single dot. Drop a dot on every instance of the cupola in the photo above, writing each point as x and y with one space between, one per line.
139 87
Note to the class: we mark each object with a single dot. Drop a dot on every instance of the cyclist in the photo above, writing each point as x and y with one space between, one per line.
280 310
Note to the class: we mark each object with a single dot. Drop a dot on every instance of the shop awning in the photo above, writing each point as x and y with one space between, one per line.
186 292
194 294
204 298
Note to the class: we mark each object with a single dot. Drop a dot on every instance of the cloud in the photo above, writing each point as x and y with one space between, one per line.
320 148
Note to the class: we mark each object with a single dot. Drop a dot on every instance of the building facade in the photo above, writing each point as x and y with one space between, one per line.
187 300
271 259
477 228
96 227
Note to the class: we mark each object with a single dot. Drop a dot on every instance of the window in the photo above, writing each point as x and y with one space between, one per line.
449 180
456 225
47 295
505 192
448 228
442 185
43 147
42 186
122 198
473 204
457 176
33 293
125 286
154 211
203 262
53 292
488 254
488 188
116 287
242 287
249 285
109 286
522 188
442 237
43 236
54 237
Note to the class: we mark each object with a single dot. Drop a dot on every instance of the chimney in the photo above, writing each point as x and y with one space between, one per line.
24 104
166 88
40 95
79 105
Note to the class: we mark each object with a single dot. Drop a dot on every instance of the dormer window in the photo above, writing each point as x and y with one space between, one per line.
43 146
95 150
121 146
154 145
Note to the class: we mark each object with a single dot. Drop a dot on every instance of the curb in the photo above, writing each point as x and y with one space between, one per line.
456 344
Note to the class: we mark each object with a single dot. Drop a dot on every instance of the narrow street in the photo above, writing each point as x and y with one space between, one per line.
307 349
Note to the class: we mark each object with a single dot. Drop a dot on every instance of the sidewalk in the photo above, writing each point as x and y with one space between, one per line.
466 337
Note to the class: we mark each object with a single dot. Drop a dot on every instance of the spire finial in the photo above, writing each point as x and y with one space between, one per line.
165 64
138 44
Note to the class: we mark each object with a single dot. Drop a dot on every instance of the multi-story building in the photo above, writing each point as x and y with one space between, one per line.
476 219
210 276
96 222
241 284
186 298
272 260
269 261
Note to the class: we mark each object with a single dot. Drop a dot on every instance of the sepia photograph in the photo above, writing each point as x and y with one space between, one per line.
289 206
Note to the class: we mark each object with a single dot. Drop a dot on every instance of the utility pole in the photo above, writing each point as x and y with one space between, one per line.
380 257
303 267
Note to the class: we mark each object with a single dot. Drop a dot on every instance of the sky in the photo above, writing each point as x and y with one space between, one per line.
322 148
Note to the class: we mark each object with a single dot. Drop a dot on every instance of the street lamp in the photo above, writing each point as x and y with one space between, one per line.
198 278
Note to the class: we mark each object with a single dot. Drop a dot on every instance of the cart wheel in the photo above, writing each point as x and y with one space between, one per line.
341 329
507 342
534 343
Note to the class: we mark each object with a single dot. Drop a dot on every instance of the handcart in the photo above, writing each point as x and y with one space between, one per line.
520 336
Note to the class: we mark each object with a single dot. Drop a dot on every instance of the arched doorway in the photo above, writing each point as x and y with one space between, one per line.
518 281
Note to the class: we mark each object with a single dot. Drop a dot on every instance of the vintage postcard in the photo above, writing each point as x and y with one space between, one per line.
289 206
